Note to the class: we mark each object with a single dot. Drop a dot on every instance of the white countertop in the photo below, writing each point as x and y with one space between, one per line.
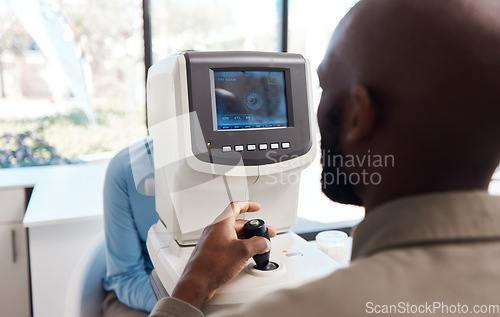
60 193
73 192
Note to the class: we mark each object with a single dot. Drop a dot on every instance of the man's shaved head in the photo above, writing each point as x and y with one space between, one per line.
429 74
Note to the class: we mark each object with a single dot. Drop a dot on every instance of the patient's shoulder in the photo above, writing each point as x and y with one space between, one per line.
138 154
119 166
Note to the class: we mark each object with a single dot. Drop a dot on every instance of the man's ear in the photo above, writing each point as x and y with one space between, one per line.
360 115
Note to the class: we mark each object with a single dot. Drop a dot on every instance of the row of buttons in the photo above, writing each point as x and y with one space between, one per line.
253 147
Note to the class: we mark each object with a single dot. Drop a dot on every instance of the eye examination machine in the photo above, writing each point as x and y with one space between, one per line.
231 126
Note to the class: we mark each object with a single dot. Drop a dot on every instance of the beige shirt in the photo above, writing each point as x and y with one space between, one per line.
436 254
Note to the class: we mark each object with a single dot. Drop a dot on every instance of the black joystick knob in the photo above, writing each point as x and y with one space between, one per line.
257 227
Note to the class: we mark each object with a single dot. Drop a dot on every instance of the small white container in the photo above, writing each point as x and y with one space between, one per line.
334 243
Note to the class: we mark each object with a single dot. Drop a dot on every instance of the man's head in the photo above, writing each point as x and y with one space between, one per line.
416 81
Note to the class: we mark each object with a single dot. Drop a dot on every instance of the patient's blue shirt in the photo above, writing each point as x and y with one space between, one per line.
128 215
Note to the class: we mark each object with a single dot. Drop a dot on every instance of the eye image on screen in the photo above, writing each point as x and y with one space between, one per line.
250 99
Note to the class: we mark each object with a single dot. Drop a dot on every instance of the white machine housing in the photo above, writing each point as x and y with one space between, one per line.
191 193
195 179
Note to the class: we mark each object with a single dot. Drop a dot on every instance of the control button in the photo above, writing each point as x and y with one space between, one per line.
251 147
238 148
263 146
285 145
226 148
275 146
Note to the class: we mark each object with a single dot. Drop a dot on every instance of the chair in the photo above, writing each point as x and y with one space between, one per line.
85 293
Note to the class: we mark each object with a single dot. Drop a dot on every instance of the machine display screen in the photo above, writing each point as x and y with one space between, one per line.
250 99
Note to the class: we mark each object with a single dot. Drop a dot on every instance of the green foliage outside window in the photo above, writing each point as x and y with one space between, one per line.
28 148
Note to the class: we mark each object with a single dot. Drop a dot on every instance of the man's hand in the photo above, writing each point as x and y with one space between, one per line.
221 253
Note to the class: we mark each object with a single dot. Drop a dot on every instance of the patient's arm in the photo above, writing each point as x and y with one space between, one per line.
126 274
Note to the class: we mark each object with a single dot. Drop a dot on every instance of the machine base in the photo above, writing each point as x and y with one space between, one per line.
299 262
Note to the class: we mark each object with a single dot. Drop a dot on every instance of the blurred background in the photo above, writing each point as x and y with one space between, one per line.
72 72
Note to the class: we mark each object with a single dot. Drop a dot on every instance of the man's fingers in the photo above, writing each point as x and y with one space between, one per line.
255 245
238 226
239 207
272 231
234 209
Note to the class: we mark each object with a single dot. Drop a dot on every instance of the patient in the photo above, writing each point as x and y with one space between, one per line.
419 80
128 215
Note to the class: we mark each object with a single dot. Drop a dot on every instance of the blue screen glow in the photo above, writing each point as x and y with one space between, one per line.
250 99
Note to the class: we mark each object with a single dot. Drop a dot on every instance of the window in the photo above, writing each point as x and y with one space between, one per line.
71 79
310 28
72 73
213 25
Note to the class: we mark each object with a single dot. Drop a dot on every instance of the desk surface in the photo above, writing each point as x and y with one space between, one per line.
60 193
74 192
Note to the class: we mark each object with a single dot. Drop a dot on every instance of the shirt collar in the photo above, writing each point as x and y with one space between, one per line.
425 219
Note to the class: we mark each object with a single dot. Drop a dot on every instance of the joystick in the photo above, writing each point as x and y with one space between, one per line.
257 227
